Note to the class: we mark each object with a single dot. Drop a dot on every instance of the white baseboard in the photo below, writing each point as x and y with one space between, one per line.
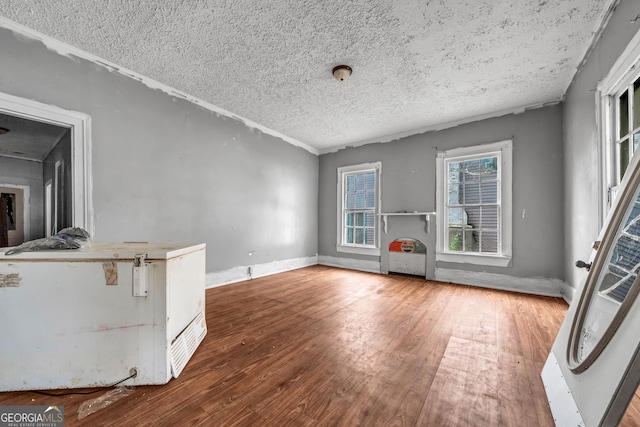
241 273
351 263
536 286
529 285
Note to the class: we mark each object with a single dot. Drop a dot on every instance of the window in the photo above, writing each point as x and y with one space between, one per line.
626 129
618 104
358 208
623 109
474 204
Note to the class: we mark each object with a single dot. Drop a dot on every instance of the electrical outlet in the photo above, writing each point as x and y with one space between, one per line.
133 372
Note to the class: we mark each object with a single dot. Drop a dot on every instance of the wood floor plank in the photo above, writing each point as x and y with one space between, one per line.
325 346
631 417
465 389
515 390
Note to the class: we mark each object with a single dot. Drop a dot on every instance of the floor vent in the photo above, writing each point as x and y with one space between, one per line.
185 344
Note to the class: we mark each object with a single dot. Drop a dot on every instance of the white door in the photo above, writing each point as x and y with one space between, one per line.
14 213
593 369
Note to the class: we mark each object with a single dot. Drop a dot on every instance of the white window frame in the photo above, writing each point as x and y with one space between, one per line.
352 248
622 74
504 149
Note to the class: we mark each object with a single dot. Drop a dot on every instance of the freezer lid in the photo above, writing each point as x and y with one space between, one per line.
114 251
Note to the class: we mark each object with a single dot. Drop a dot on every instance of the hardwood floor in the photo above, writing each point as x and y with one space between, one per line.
322 346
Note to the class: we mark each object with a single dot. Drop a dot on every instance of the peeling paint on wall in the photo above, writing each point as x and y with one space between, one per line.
24 33
451 60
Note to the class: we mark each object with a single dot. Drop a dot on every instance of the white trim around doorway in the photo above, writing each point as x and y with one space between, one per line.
80 126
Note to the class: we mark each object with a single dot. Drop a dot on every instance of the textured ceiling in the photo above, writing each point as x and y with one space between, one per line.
416 64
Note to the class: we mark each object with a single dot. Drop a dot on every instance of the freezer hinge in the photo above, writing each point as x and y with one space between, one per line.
140 276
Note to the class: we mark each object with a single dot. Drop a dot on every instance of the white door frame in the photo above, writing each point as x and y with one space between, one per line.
26 207
80 125
48 207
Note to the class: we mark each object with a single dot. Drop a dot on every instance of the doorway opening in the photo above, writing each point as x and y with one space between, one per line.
14 208
45 154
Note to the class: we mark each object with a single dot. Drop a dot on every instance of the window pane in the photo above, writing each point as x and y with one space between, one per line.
370 181
473 216
472 194
359 219
454 171
625 257
489 192
472 170
455 194
635 212
351 183
472 241
359 200
370 219
349 235
624 157
623 113
489 241
489 217
360 182
349 219
636 103
359 236
634 228
369 236
455 239
351 200
636 138
370 199
489 168
456 216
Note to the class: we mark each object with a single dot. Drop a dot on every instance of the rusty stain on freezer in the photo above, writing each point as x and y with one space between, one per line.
10 280
110 273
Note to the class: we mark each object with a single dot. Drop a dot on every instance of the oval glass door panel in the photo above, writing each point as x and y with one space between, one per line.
611 285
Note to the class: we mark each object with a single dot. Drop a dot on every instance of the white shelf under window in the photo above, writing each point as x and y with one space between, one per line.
426 215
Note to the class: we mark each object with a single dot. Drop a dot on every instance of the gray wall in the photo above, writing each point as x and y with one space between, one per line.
24 172
581 139
408 183
167 170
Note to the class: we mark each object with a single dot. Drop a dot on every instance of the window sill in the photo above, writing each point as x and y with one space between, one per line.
476 259
358 250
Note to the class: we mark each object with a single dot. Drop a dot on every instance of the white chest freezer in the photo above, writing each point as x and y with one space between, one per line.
90 317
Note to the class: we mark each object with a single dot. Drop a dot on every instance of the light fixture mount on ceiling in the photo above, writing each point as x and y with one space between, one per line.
341 72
